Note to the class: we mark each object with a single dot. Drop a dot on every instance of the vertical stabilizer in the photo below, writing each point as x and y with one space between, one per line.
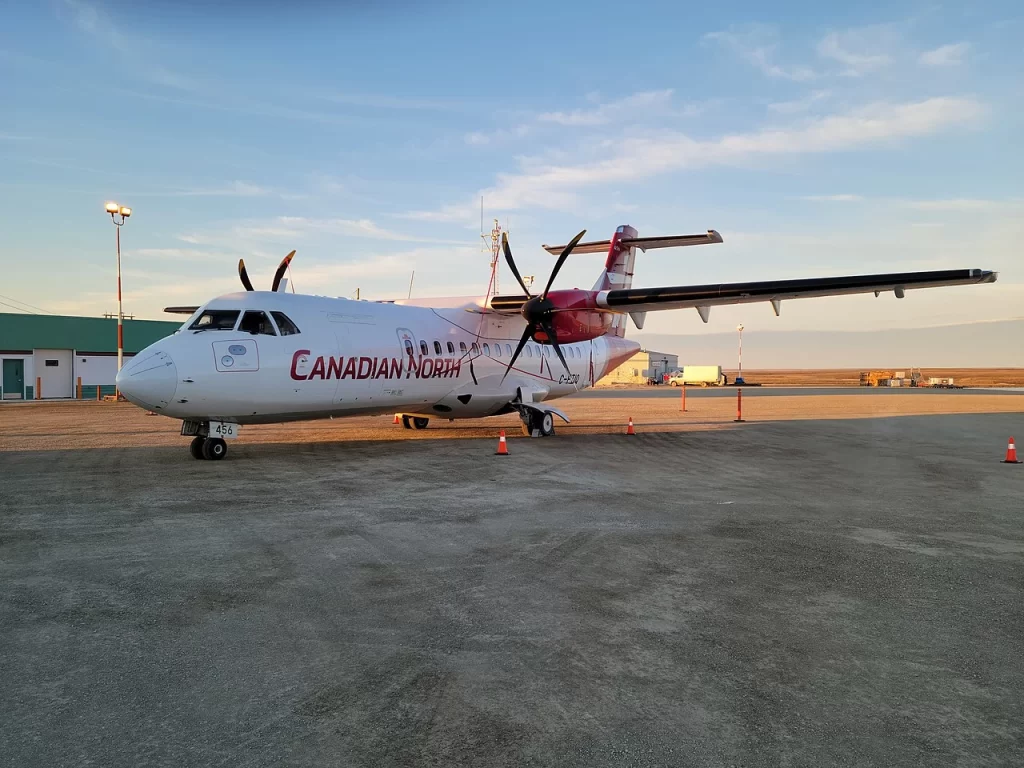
618 271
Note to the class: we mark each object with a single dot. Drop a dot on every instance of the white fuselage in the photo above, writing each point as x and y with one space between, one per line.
356 357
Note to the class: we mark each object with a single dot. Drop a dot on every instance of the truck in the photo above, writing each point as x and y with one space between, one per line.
700 375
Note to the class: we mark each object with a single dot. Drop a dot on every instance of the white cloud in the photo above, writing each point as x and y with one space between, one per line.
481 138
759 44
233 189
632 159
945 55
603 114
833 198
961 204
798 105
862 50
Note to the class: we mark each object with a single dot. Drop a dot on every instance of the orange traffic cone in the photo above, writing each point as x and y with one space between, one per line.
629 427
1011 453
502 447
397 420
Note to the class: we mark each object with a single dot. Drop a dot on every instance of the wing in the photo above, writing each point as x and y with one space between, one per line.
703 297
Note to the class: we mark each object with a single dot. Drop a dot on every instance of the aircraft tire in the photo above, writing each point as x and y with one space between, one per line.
420 422
407 422
215 449
196 447
546 424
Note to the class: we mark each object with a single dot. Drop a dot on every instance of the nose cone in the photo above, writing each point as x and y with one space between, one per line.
149 379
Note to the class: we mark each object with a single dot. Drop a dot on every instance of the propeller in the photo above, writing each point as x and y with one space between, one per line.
538 311
278 275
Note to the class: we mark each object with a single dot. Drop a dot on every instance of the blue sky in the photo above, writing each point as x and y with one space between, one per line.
817 141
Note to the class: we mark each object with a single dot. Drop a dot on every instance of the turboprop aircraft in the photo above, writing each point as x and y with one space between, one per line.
258 357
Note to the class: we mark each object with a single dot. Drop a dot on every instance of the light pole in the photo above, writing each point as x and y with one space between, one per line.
119 211
739 372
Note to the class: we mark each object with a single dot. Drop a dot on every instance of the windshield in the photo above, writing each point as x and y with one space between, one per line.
215 320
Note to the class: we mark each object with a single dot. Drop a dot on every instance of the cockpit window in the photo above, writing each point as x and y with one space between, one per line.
284 324
255 321
215 320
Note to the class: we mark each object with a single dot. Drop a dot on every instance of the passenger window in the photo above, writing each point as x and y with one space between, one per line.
547 351
424 349
437 347
215 320
475 348
487 349
451 348
497 350
284 324
409 348
256 322
508 350
462 347
529 352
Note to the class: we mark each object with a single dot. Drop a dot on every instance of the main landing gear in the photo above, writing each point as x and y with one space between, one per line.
537 423
415 422
210 448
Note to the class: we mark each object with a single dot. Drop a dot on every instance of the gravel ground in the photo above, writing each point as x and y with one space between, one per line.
835 582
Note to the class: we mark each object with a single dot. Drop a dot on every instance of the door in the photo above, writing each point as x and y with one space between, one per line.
53 369
14 379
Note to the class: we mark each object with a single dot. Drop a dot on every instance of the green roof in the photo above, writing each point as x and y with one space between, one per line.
82 334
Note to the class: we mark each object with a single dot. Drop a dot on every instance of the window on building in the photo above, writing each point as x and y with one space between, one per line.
52 363
256 322
451 348
437 347
284 324
215 320
487 349
424 349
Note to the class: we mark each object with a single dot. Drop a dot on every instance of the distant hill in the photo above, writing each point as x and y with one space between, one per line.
973 345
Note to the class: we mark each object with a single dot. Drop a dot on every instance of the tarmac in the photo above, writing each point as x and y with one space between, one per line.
823 591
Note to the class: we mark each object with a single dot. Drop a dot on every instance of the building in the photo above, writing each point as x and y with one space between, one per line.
57 356
645 364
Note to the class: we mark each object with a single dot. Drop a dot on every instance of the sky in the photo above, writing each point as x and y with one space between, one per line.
817 140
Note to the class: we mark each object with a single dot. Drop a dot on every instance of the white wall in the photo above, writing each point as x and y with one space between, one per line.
96 369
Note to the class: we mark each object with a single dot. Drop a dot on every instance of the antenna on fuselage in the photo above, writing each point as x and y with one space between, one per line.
410 283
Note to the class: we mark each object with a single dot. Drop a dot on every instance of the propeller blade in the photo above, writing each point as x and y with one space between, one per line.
280 270
561 260
244 276
515 355
511 263
472 372
550 331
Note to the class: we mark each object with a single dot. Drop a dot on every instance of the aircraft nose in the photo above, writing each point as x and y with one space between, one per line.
149 379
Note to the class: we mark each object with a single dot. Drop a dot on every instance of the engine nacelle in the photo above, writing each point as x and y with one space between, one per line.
577 317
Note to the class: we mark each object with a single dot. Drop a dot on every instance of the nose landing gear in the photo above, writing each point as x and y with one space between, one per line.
209 448
415 422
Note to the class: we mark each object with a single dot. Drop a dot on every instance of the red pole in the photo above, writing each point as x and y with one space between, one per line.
739 405
684 399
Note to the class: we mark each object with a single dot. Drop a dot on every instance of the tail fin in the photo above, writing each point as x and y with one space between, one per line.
618 271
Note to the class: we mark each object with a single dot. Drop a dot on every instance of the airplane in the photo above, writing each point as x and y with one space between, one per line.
258 357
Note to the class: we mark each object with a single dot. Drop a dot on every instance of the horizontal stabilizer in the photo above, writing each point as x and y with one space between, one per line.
643 243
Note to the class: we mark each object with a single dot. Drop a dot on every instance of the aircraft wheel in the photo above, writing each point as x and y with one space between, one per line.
546 424
420 422
196 447
215 449
407 422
